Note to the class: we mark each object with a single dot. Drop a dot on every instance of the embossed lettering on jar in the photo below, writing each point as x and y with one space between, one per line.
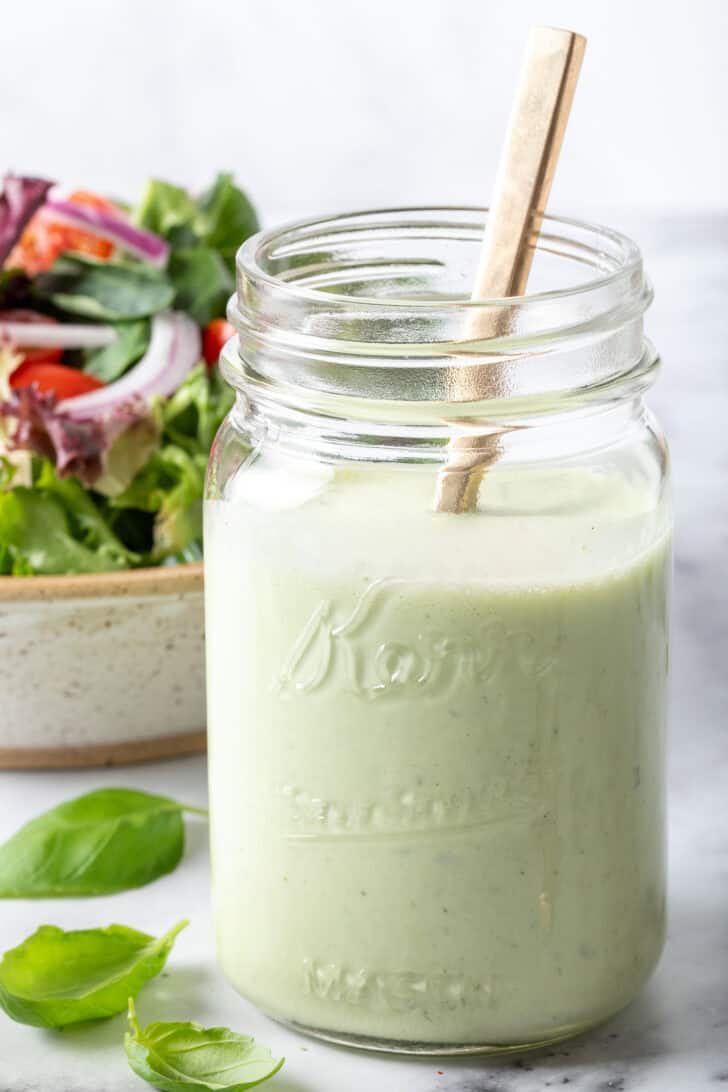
437 740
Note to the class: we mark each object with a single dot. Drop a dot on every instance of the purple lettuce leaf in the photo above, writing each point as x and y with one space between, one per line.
19 199
103 453
72 446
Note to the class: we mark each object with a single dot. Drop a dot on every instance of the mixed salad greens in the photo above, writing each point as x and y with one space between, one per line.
111 324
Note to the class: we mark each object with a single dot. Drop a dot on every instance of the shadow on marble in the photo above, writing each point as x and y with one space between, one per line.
178 992
284 1083
606 1057
93 1037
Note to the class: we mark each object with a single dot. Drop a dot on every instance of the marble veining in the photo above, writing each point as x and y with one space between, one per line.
674 1038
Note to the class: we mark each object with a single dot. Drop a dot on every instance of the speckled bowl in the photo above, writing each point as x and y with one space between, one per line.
101 669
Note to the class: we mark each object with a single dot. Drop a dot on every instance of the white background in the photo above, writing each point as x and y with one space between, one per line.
322 105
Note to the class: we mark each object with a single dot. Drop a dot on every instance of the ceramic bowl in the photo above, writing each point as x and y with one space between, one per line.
102 668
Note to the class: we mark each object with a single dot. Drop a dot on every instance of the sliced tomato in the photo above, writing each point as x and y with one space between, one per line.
46 237
50 377
215 334
24 314
93 200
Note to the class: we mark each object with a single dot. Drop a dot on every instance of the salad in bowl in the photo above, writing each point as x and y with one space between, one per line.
111 323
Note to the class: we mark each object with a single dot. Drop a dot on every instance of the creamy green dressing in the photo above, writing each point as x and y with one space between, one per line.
436 751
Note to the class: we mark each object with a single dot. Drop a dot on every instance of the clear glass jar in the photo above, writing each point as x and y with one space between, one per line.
437 738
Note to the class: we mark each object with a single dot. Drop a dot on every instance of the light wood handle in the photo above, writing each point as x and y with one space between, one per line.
528 161
523 183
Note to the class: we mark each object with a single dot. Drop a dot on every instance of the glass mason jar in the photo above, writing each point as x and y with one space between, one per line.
437 736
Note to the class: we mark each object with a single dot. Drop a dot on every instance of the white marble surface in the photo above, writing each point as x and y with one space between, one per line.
675 1037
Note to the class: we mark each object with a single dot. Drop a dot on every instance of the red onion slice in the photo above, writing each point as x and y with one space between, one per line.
174 349
114 227
56 335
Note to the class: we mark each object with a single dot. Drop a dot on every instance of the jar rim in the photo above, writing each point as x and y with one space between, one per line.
374 305
625 259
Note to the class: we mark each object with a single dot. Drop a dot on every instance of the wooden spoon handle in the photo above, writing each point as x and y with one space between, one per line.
523 182
528 161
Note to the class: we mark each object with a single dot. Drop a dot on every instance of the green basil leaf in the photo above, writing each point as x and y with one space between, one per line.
111 361
102 842
178 1057
56 978
110 291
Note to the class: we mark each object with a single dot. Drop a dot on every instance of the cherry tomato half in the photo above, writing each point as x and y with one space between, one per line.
214 336
46 237
50 377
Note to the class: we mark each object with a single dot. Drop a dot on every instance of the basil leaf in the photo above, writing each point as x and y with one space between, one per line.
105 290
177 1057
102 842
111 361
56 978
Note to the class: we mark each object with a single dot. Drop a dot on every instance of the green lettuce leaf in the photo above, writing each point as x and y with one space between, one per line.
178 523
170 485
166 210
13 563
105 290
135 441
111 361
86 519
220 219
194 413
56 978
15 288
227 218
8 471
202 282
39 534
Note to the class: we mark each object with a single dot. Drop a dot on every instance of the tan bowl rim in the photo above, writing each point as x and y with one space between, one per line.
165 580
